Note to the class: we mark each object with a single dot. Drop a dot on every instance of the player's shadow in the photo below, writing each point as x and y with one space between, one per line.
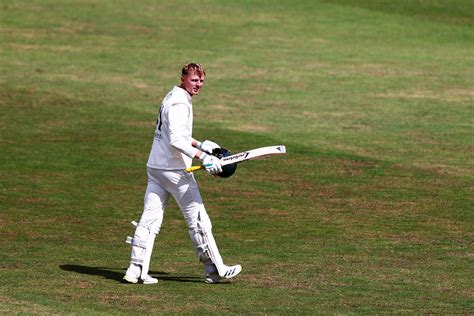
114 274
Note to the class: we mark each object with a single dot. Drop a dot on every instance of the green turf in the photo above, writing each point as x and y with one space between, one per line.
370 212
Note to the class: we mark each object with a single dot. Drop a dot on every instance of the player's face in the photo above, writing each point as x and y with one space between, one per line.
192 83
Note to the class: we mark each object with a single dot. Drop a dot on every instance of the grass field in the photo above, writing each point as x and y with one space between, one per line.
370 212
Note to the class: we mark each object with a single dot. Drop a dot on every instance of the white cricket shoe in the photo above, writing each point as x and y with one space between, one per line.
212 276
232 271
133 275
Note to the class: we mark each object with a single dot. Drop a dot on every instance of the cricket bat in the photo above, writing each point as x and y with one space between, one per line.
257 153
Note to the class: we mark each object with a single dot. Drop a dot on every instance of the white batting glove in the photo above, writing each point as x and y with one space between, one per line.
207 146
211 163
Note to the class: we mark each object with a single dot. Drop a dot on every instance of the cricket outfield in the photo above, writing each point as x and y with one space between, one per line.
370 211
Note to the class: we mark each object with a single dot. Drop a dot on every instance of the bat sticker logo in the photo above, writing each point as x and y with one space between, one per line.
235 157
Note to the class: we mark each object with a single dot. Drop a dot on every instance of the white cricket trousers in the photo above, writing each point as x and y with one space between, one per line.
182 186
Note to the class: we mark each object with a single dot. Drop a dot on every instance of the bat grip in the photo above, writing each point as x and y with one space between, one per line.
194 168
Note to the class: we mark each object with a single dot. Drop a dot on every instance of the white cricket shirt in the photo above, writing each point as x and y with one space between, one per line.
172 149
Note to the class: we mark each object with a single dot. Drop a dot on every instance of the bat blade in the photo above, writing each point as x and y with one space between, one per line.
253 154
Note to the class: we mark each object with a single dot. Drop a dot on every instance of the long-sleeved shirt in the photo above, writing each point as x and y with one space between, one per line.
172 145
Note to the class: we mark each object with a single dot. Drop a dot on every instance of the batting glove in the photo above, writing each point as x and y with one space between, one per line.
211 163
207 146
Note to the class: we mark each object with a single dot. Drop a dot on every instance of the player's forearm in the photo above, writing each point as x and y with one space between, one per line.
195 143
182 144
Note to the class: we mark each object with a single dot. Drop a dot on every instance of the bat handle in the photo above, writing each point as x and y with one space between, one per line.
194 168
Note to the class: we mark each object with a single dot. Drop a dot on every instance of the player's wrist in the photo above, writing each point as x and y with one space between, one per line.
201 155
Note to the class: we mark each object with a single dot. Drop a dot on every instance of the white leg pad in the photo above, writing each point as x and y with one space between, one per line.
210 251
142 245
147 256
205 244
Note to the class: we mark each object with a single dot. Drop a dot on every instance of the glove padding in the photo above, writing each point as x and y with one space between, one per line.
211 163
207 146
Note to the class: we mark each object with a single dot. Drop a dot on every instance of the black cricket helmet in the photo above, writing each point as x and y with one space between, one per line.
227 170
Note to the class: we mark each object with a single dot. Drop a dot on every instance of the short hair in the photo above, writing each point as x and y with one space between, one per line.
193 68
